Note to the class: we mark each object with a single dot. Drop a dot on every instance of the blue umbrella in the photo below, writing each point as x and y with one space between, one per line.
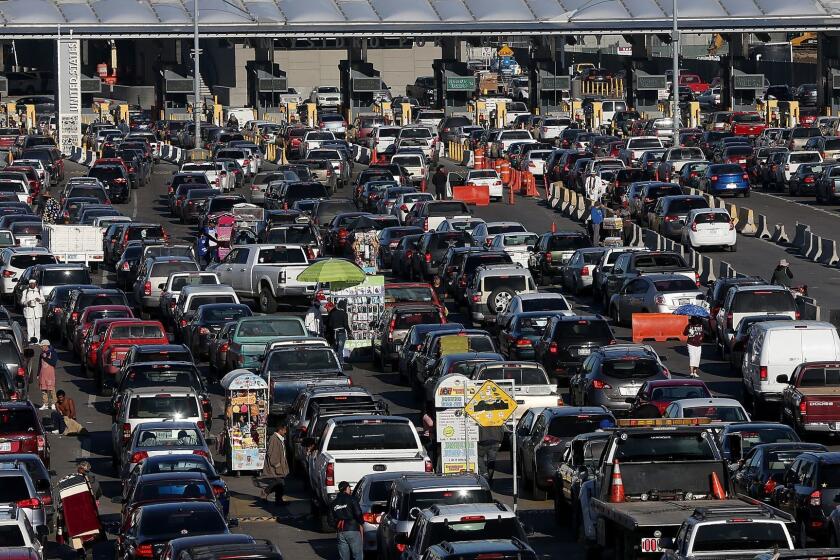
692 310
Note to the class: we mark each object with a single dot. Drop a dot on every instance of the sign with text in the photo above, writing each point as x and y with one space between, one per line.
748 81
555 83
464 83
454 425
651 82
367 84
453 391
69 94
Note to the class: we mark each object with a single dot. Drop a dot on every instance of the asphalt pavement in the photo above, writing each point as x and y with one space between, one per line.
290 527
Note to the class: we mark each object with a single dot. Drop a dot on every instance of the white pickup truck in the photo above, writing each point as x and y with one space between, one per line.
526 382
637 146
358 445
265 272
415 164
75 243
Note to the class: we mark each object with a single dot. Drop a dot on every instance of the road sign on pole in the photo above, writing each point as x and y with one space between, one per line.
491 405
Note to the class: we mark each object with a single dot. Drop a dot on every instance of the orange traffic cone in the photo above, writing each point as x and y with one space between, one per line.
717 487
553 227
373 156
617 486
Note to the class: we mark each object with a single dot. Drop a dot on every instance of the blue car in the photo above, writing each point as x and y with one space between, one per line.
726 178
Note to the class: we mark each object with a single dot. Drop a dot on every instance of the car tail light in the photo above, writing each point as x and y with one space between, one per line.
330 475
144 551
8 274
787 167
523 342
126 435
218 490
815 498
29 503
404 208
125 266
201 452
585 271
224 347
731 225
671 218
41 442
808 180
428 467
400 547
598 384
203 331
745 176
547 256
694 226
425 223
21 372
476 298
343 233
803 407
769 486
138 456
762 373
552 348
147 288
427 257
697 279
371 518
551 440
714 177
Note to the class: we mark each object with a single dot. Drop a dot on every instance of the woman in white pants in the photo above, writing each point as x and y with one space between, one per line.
33 309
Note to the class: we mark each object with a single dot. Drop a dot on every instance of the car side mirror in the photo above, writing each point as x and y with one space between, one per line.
733 442
782 378
531 248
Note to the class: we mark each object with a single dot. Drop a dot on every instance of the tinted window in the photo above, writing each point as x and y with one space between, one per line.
371 435
519 375
427 499
517 283
162 406
674 447
159 377
447 208
173 490
270 327
751 438
675 285
545 304
804 157
197 301
568 242
740 536
583 329
14 420
306 190
721 413
668 394
25 261
630 368
576 424
226 314
761 300
407 320
137 331
11 535
474 530
203 280
169 523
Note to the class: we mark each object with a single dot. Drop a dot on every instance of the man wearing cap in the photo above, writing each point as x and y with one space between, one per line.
348 523
782 275
32 302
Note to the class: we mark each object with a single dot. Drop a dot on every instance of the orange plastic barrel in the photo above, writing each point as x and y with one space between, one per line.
497 165
505 173
478 154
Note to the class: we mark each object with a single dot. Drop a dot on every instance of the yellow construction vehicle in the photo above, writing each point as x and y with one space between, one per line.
807 39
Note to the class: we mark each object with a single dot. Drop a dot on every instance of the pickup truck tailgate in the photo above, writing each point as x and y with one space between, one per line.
352 466
822 406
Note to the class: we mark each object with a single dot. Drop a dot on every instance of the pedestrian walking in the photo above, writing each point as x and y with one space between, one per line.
46 375
489 442
33 301
596 218
694 342
338 327
782 275
63 416
276 467
439 181
349 524
312 319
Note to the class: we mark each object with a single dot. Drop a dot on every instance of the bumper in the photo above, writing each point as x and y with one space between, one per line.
739 189
524 354
713 240
496 191
599 398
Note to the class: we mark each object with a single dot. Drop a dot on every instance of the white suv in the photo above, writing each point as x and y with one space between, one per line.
493 287
15 260
17 531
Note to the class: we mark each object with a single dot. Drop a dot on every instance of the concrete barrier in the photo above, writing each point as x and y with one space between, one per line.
711 200
651 239
658 326
725 270
763 228
707 270
565 200
828 252
799 235
813 248
582 208
746 222
808 308
780 236
733 213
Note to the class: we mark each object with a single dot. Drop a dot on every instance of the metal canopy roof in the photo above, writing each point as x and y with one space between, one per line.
406 18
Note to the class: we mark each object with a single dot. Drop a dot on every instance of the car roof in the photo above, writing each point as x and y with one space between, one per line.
455 511
512 270
428 481
153 348
575 410
709 401
673 382
146 392
787 325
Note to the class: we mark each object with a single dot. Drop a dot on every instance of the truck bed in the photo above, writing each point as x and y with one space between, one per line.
639 515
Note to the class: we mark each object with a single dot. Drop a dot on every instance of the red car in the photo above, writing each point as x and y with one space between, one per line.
91 314
8 138
91 344
747 123
693 82
412 292
119 337
21 431
662 392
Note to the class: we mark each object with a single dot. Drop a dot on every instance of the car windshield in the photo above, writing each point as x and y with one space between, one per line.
305 190
164 269
179 464
427 498
447 209
765 301
668 394
750 438
820 377
514 282
483 174
270 327
675 285
569 426
520 240
16 420
281 255
737 151
721 413
474 528
779 461
160 376
748 118
137 331
568 242
107 314
659 261
302 359
630 368
25 261
198 280
163 406
145 232
746 535
418 294
165 524
531 326
804 157
198 301
582 329
545 304
712 218
415 133
643 143
225 314
372 434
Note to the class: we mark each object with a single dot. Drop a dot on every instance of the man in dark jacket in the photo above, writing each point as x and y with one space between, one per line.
348 523
439 181
338 327
782 275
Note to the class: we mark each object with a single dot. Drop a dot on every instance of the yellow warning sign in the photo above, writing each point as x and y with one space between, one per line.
504 50
491 405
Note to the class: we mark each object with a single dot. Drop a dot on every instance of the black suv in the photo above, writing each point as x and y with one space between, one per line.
809 492
431 249
568 340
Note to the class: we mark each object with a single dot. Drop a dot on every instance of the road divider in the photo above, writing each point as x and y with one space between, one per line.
726 270
828 252
799 236
479 195
780 236
659 327
746 222
762 228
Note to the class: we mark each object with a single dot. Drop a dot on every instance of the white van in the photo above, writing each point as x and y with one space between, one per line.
610 107
777 348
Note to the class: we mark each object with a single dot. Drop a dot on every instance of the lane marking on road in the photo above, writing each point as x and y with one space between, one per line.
798 203
134 207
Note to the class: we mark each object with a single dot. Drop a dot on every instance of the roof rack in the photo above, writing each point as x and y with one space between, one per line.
724 511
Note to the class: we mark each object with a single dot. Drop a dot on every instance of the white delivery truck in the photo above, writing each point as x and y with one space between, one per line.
75 243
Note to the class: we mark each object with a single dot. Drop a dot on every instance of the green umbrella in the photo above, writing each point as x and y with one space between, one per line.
333 271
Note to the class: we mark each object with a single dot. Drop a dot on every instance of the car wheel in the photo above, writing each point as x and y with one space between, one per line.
733 248
499 299
267 303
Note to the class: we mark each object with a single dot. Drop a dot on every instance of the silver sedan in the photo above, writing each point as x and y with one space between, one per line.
656 293
578 272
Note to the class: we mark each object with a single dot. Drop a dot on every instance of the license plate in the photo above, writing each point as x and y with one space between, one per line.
541 322
683 301
731 185
584 351
117 362
5 446
649 545
832 425
628 391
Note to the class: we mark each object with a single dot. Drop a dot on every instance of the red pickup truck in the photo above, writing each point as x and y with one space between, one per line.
693 82
119 337
746 123
811 400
